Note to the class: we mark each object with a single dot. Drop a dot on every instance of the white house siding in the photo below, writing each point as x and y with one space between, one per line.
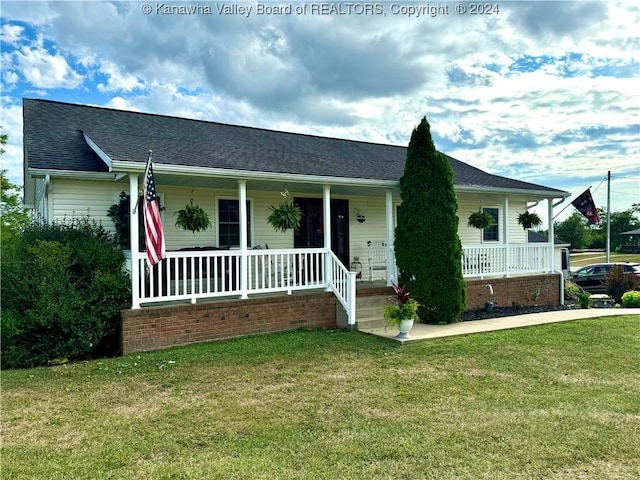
373 228
174 199
473 236
40 209
76 199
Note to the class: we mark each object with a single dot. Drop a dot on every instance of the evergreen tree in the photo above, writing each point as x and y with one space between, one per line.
427 247
574 230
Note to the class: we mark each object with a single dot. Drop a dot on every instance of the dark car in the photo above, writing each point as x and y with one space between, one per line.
590 277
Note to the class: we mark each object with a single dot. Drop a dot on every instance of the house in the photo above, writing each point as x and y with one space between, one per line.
81 160
631 241
562 260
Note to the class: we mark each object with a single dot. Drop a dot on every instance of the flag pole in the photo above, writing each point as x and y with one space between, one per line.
146 170
608 237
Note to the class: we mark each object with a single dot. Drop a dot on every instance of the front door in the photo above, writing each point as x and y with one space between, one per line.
311 231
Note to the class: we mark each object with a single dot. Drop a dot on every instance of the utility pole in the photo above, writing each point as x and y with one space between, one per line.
608 237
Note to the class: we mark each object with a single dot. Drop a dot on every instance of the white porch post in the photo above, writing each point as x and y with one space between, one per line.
326 222
505 233
242 200
552 252
133 240
391 258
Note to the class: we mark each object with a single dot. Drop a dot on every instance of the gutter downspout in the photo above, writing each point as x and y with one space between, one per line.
559 272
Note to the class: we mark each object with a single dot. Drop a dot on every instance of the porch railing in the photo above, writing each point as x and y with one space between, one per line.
342 283
189 275
285 270
193 275
504 260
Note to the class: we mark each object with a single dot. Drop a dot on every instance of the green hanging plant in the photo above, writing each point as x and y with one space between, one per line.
480 220
193 217
286 216
529 219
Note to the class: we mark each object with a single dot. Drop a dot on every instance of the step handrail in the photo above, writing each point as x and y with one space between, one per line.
342 282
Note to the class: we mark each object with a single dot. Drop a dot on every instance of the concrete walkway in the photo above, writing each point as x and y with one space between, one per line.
421 331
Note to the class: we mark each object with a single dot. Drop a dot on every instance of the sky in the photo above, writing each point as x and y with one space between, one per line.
546 91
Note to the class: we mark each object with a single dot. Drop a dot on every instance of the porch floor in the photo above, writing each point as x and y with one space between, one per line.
421 331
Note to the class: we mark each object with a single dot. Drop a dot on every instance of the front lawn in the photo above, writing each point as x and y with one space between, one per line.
559 401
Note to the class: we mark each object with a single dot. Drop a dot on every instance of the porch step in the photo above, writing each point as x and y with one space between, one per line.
369 311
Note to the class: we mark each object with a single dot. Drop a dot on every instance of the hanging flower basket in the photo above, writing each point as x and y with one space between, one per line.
285 216
529 219
480 220
193 217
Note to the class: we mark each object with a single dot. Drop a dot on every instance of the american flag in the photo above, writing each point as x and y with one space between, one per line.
153 236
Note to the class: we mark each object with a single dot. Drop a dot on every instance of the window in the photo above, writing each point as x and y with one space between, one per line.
491 234
229 222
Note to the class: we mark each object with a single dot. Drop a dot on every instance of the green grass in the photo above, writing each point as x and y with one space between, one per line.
557 402
581 259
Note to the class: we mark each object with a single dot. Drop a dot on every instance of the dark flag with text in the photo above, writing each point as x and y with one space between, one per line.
585 205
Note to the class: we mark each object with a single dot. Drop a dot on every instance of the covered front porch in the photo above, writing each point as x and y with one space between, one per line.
208 274
250 268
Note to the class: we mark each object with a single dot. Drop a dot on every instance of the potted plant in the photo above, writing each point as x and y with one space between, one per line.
285 216
529 219
192 217
403 312
480 220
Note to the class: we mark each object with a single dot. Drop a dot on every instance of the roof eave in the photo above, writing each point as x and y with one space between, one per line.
137 167
551 193
75 174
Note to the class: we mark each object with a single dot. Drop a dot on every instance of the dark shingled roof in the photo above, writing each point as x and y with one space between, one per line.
53 140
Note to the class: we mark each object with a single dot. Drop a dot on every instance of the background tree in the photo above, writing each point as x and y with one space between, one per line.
14 216
427 247
573 230
621 222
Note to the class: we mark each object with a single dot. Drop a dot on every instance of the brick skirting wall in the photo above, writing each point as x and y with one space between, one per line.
514 291
153 328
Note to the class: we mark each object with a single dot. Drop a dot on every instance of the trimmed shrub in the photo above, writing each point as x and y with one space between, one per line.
572 291
427 247
631 299
62 291
584 299
617 282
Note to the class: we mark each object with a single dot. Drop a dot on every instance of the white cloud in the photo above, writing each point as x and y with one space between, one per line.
366 78
43 69
12 125
11 34
10 78
116 80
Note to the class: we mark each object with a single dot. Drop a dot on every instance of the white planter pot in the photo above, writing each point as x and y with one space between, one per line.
404 327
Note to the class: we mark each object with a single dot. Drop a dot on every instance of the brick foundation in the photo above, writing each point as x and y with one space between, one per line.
153 328
514 291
